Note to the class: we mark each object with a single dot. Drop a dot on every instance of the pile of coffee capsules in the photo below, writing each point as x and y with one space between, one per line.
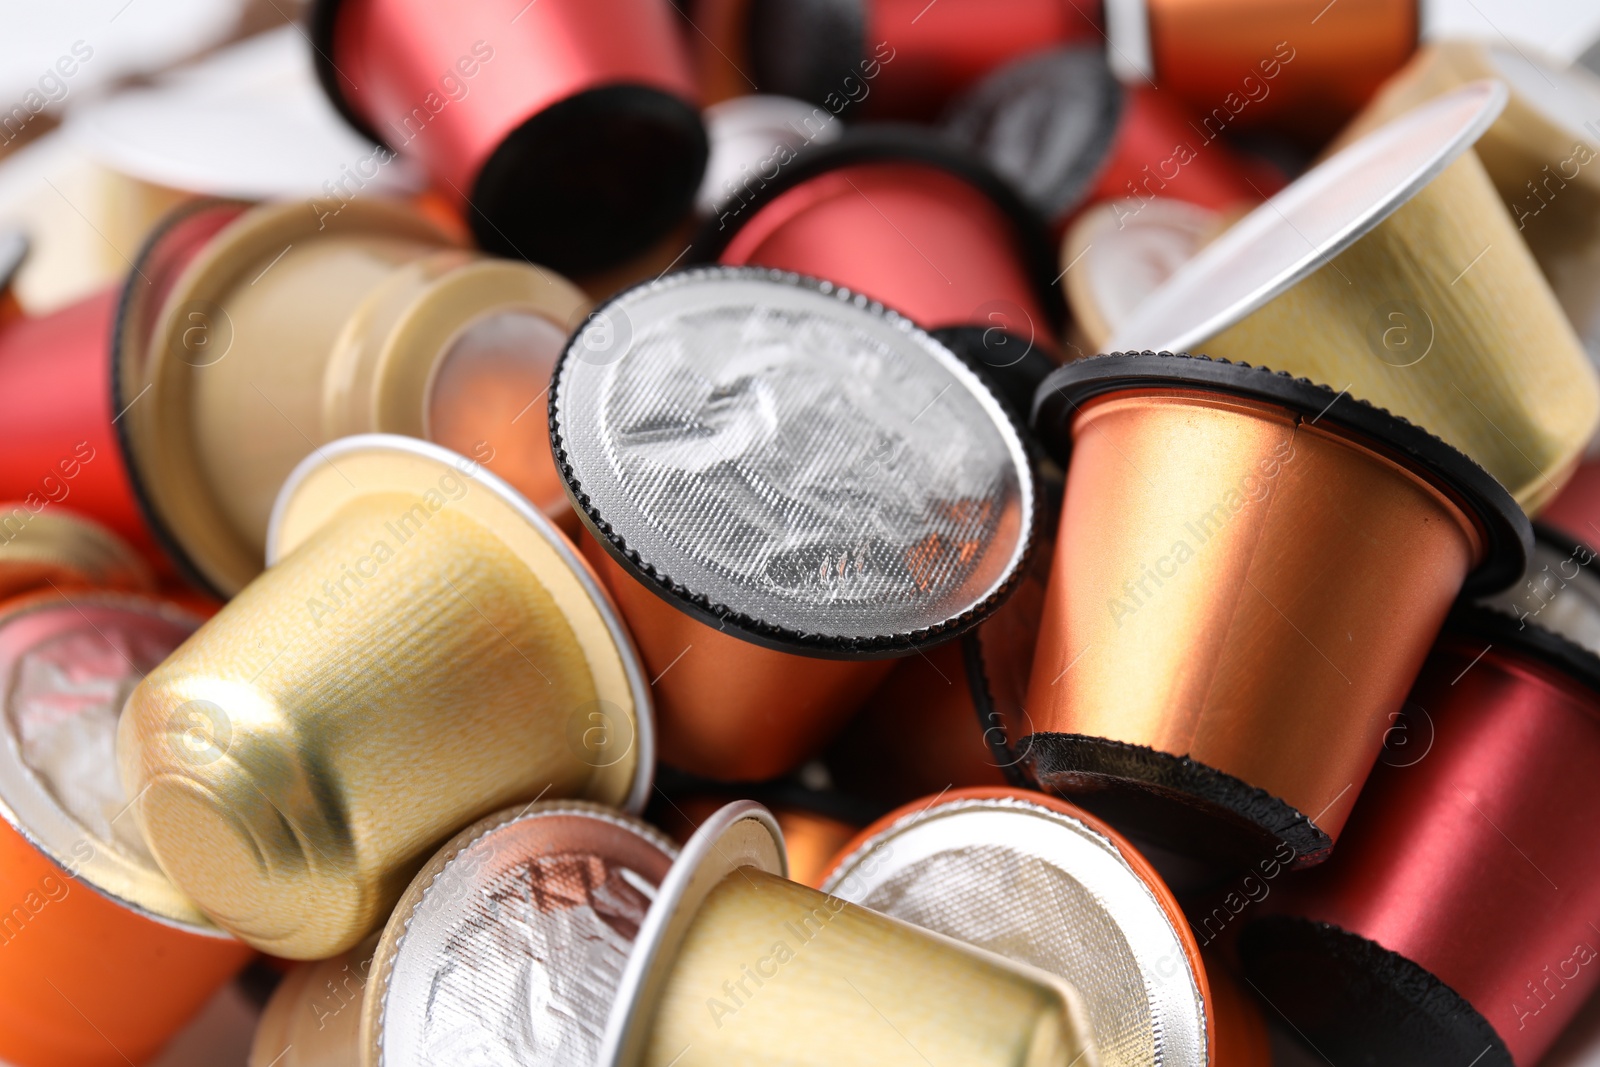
783 532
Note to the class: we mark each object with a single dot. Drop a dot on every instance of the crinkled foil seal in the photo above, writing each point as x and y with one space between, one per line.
802 499
509 952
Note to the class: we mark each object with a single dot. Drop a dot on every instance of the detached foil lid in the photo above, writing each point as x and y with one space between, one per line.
66 668
1029 881
508 947
792 459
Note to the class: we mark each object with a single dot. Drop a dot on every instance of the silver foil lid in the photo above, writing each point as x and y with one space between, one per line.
66 669
508 948
1046 123
1568 97
751 138
1309 223
1033 884
1560 592
790 458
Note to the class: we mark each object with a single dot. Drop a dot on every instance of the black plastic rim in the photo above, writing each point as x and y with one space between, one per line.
673 783
1508 533
128 300
592 180
1360 1003
722 617
895 143
321 21
1211 813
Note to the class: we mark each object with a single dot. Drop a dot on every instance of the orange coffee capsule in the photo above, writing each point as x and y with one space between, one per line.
102 960
1257 567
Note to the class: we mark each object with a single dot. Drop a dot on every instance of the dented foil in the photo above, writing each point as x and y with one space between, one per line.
793 453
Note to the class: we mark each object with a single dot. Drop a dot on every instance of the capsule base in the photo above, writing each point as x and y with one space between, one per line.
1359 1002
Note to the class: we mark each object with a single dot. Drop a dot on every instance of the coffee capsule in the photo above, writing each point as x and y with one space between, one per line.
53 547
1034 879
347 735
1118 252
568 130
786 483
102 960
899 214
737 964
1066 133
1258 566
55 403
1253 63
506 949
1542 153
1399 276
1456 919
751 137
293 325
896 59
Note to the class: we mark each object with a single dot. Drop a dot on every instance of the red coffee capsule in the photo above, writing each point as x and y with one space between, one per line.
1576 509
1456 920
1067 133
57 394
898 214
901 59
569 126
1252 63
1249 573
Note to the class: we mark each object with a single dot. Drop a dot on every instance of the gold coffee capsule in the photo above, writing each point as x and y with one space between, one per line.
1120 251
506 949
425 648
1393 271
297 324
57 548
1542 153
737 964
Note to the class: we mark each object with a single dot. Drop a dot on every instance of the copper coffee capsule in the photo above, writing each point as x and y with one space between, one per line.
423 648
1066 133
1040 882
1119 252
899 214
567 128
258 336
1540 154
506 949
1456 919
1252 63
786 484
889 58
736 964
1400 276
1249 573
102 960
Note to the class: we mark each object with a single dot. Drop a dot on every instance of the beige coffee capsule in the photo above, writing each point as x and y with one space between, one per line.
1542 153
425 649
737 964
57 548
1392 270
287 326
